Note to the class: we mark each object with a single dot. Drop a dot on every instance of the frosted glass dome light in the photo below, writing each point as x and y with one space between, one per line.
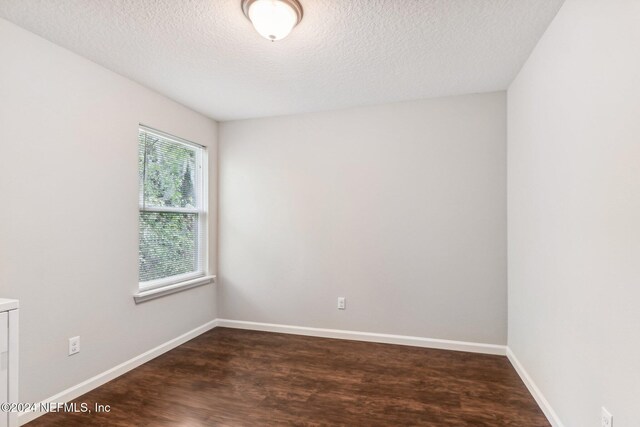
273 19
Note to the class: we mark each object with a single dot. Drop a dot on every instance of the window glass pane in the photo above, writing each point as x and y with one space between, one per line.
167 173
168 244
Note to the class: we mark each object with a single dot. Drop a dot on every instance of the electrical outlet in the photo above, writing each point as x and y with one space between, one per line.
74 345
607 418
342 303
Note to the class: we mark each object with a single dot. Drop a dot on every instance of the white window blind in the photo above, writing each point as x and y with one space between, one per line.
172 236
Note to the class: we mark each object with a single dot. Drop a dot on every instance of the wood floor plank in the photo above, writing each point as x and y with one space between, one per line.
231 377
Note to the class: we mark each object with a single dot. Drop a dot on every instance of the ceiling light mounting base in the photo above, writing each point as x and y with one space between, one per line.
295 5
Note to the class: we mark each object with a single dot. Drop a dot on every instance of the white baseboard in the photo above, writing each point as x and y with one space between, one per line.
100 379
534 390
368 336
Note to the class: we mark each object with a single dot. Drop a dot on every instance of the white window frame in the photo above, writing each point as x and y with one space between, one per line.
167 285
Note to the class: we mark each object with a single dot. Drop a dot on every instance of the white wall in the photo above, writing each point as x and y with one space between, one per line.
400 208
69 217
574 213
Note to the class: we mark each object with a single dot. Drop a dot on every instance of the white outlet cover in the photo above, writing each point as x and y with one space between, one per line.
74 345
607 418
341 303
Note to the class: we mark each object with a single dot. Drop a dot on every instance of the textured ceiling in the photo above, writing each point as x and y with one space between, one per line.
206 55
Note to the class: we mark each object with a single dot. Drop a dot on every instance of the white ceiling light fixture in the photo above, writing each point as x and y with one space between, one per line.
273 19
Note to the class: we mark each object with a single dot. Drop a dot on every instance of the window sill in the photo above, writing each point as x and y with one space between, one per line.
172 289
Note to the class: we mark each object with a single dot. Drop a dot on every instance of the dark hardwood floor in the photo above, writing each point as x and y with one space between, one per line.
229 377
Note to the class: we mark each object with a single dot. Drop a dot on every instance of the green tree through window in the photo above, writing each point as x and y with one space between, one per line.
171 209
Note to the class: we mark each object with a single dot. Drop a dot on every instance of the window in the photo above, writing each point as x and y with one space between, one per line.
172 219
